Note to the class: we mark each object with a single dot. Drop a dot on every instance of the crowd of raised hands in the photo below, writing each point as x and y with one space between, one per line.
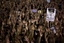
24 21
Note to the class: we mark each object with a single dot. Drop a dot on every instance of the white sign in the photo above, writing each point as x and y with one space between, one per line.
50 16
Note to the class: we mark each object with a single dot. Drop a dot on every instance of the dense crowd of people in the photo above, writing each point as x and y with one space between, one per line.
19 24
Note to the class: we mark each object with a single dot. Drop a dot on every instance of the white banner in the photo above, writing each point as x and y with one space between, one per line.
50 16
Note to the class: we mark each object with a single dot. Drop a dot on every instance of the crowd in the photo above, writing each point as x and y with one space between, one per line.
24 21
